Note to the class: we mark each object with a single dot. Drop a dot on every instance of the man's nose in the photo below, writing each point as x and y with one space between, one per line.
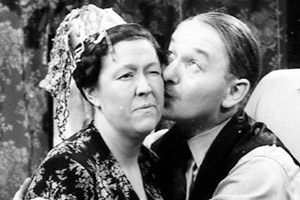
171 73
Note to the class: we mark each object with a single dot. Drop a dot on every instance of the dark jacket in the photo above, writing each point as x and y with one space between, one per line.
238 137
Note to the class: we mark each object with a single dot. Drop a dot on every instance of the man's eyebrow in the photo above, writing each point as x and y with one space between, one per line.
200 51
197 49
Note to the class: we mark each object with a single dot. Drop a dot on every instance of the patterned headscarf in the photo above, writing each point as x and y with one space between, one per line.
78 25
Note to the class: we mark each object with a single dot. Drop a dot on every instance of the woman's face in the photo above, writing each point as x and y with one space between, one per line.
130 88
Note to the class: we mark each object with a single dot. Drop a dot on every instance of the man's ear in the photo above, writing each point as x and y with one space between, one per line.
92 96
236 93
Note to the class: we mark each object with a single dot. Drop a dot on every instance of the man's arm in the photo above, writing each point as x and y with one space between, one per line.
264 174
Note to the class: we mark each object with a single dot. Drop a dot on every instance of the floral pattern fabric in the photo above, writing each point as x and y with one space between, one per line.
82 167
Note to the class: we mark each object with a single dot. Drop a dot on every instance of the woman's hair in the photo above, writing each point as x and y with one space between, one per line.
89 66
242 48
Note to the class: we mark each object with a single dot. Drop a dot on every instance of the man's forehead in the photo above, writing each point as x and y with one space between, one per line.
198 37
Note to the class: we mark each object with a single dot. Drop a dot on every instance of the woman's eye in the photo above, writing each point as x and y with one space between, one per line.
155 72
126 76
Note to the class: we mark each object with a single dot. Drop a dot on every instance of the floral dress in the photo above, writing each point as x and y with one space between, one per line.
83 168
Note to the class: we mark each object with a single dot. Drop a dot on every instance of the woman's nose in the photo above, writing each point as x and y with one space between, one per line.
143 86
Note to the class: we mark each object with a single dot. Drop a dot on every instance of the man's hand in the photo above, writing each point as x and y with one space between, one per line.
22 190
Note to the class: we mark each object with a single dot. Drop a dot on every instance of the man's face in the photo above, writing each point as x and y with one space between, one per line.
195 84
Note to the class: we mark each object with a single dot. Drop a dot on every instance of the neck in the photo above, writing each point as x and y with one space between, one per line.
193 127
125 149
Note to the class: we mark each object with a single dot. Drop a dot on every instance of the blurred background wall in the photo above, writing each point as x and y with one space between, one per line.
26 30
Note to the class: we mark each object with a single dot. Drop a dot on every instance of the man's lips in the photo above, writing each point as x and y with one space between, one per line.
169 93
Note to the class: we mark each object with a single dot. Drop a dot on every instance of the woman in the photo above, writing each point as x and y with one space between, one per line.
118 71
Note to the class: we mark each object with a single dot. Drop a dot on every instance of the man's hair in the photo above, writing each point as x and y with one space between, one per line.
242 48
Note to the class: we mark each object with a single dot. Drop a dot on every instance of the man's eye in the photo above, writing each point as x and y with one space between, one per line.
194 66
193 62
170 56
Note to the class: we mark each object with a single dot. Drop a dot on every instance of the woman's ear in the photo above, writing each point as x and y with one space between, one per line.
236 93
92 96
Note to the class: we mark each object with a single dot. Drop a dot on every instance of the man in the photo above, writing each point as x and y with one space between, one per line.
213 65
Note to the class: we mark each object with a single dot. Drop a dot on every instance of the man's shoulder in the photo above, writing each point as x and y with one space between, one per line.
272 154
154 137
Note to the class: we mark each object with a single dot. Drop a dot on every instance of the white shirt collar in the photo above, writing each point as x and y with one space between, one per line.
199 144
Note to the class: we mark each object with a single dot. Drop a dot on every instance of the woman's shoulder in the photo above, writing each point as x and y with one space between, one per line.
81 143
76 143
